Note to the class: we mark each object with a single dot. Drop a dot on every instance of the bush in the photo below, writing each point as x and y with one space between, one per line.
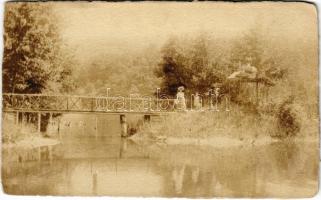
288 116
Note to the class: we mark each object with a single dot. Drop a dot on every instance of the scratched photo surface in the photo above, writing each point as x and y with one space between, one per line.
160 99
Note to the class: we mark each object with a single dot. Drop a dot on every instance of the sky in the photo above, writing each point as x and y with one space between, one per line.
100 27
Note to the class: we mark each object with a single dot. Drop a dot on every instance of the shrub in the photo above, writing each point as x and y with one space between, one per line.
288 117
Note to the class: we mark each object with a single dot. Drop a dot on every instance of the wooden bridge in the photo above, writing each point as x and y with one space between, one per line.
44 104
85 104
92 104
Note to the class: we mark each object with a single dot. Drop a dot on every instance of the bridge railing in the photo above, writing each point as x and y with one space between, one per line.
68 103
34 102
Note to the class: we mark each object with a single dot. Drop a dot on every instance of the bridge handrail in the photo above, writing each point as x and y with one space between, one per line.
83 96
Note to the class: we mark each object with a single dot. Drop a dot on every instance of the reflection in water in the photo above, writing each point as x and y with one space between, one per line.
178 175
123 147
95 183
111 165
195 174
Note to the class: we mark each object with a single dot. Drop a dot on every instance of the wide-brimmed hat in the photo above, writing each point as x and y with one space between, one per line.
180 88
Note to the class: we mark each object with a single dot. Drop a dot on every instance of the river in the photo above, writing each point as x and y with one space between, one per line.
105 164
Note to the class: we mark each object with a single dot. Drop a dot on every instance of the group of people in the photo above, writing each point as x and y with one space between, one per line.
180 102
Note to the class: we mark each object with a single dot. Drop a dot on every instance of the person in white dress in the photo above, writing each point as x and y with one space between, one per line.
180 99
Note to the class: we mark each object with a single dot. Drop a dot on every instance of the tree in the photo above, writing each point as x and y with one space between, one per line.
188 64
171 67
248 50
33 60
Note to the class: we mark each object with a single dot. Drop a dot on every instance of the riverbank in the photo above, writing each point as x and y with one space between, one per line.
221 129
21 142
23 135
218 141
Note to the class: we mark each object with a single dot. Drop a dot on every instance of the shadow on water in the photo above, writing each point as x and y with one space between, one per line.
110 165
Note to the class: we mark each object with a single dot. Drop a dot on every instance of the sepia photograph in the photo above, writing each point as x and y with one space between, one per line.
160 99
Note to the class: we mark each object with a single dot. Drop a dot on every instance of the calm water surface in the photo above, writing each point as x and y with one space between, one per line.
108 165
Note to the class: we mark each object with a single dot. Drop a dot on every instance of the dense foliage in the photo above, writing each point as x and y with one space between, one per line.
34 60
188 63
124 74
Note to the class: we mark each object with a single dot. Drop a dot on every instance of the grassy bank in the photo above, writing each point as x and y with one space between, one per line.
19 139
223 127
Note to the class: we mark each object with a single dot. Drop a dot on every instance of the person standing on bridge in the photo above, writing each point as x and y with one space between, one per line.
197 101
180 99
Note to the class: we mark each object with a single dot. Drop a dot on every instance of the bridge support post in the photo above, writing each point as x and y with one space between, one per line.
50 128
17 118
50 153
58 128
27 118
22 119
146 118
123 125
39 154
257 93
39 122
50 118
96 126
